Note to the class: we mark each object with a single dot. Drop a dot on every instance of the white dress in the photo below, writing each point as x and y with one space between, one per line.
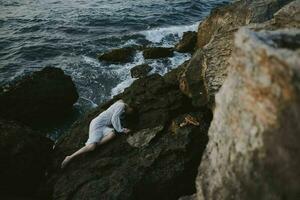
99 126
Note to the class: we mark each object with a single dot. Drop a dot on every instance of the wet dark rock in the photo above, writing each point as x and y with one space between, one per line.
38 98
24 156
140 71
152 163
143 137
173 76
157 52
122 55
187 43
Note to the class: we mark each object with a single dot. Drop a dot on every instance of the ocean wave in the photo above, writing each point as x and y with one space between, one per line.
158 34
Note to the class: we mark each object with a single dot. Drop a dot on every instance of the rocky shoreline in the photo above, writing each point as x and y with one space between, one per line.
241 85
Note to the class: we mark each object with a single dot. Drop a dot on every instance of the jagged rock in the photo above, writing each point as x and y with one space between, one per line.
140 71
38 98
208 68
24 155
254 136
143 137
173 76
192 80
162 167
289 15
230 17
122 55
157 52
187 43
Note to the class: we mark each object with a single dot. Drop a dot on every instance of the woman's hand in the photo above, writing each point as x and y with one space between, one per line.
126 130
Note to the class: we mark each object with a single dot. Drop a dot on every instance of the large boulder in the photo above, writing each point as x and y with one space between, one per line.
24 156
140 70
157 52
122 55
40 98
187 43
154 100
253 150
152 163
209 65
228 18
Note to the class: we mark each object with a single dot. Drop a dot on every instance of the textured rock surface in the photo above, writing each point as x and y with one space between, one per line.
209 65
187 43
192 80
173 76
140 71
289 15
163 166
157 52
24 155
143 137
37 98
122 55
253 150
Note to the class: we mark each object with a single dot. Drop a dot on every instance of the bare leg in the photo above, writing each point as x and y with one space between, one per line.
107 138
85 149
88 148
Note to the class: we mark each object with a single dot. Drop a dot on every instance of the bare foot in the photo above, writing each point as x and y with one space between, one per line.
65 162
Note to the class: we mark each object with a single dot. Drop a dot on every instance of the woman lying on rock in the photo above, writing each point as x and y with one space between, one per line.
100 131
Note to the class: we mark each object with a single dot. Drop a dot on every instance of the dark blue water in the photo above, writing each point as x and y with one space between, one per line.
69 33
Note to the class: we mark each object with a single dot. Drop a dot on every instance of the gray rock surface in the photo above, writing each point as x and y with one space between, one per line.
253 139
143 137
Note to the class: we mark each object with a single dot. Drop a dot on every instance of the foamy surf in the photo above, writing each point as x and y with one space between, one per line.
158 34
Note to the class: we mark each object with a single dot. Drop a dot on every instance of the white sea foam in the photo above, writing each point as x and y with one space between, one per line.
158 34
121 86
92 61
93 104
178 59
158 66
123 72
129 43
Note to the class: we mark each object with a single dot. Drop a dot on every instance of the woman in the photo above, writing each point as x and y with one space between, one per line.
100 131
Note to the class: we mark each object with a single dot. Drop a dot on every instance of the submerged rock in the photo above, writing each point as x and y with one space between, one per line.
40 98
24 156
157 52
254 137
187 43
140 71
122 55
